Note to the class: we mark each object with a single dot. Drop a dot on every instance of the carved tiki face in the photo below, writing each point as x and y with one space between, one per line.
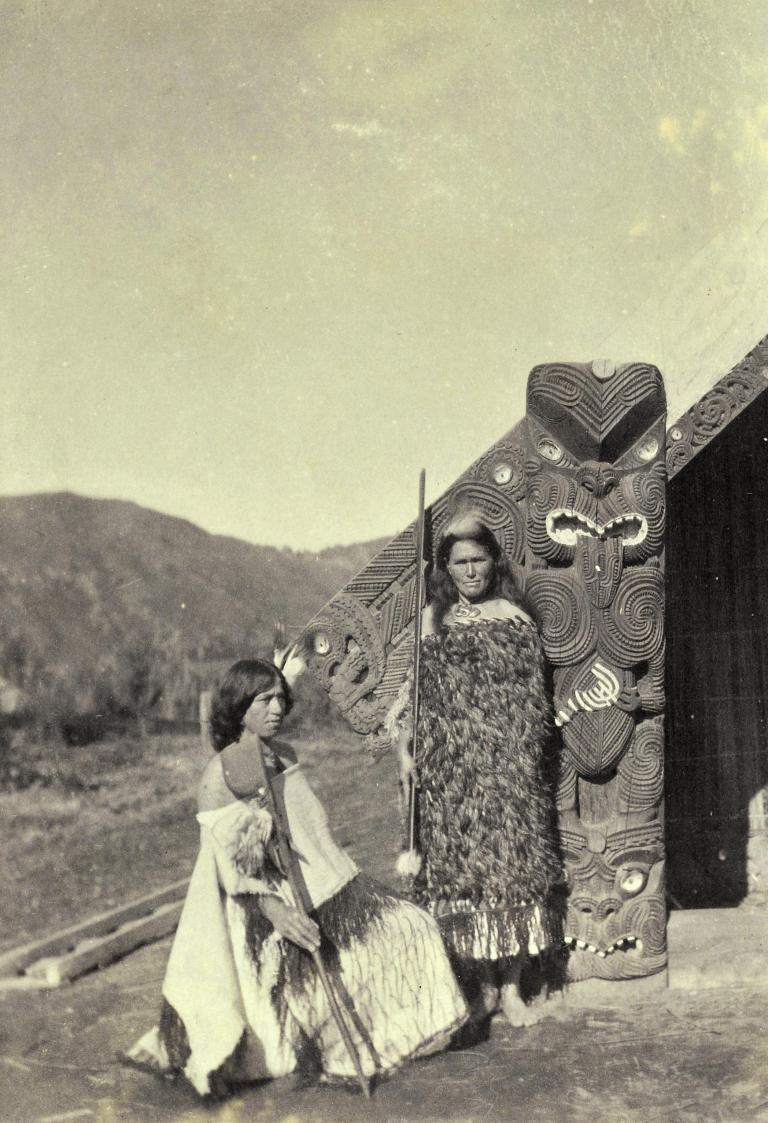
616 914
595 465
595 469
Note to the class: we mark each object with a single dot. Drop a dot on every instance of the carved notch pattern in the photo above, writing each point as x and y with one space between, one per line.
709 416
360 643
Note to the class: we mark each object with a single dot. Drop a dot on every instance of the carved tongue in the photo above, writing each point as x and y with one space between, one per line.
602 563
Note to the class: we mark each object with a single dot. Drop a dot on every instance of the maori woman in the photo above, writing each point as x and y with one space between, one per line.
489 864
244 996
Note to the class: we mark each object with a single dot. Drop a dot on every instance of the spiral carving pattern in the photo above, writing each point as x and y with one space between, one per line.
647 917
567 625
648 491
546 492
711 414
632 629
641 770
649 494
504 467
743 387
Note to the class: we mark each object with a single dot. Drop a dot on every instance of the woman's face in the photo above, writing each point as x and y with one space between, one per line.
265 714
471 568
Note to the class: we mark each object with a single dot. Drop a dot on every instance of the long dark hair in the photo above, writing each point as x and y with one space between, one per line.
442 592
232 698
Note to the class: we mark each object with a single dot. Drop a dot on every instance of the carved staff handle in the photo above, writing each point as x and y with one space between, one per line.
287 858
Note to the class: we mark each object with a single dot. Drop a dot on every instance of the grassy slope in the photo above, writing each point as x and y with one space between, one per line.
65 856
80 576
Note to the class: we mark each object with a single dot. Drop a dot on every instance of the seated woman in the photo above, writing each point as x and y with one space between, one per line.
242 999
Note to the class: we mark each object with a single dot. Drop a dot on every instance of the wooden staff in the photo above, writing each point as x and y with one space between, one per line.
285 850
416 664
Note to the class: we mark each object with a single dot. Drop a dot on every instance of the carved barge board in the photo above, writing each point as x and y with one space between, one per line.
717 408
96 941
359 642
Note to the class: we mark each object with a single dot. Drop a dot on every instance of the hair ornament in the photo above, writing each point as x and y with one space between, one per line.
465 523
288 657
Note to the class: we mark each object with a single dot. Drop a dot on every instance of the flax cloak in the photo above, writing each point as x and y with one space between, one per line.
487 831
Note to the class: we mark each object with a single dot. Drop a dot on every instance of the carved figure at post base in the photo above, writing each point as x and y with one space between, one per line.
595 446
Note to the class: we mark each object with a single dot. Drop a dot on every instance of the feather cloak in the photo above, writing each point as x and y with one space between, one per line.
486 813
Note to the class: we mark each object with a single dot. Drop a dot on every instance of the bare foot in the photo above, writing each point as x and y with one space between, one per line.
489 998
515 1010
520 1013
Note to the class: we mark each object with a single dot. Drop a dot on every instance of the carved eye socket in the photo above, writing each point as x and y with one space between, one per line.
549 449
502 473
321 644
648 449
632 882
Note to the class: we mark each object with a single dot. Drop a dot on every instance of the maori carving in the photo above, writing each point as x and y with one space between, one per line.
360 644
595 529
576 493
709 416
617 915
346 653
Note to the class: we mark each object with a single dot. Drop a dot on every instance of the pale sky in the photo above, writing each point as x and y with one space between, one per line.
265 260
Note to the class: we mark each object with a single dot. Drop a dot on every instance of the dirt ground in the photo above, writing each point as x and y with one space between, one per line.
677 1056
672 1055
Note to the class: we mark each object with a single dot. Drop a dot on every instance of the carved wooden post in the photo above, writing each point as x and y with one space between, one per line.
595 468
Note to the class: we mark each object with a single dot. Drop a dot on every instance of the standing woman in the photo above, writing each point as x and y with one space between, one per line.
489 860
242 999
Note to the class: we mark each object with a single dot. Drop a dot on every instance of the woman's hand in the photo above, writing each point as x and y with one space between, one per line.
290 923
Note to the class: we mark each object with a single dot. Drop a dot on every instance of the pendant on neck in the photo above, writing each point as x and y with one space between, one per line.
465 610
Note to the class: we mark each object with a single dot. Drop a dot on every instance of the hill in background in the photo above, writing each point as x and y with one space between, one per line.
109 606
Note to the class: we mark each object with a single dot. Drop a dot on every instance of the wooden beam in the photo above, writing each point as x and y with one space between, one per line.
22 982
16 961
714 412
99 951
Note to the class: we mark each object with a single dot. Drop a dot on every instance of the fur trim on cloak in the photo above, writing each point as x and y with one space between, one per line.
486 811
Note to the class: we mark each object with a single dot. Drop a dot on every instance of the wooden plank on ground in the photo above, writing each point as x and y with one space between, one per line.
16 961
22 982
99 951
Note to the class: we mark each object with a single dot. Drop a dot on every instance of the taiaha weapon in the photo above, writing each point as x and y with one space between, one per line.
409 862
285 850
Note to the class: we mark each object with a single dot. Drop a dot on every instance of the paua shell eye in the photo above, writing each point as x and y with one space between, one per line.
502 473
632 882
549 449
648 449
321 644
